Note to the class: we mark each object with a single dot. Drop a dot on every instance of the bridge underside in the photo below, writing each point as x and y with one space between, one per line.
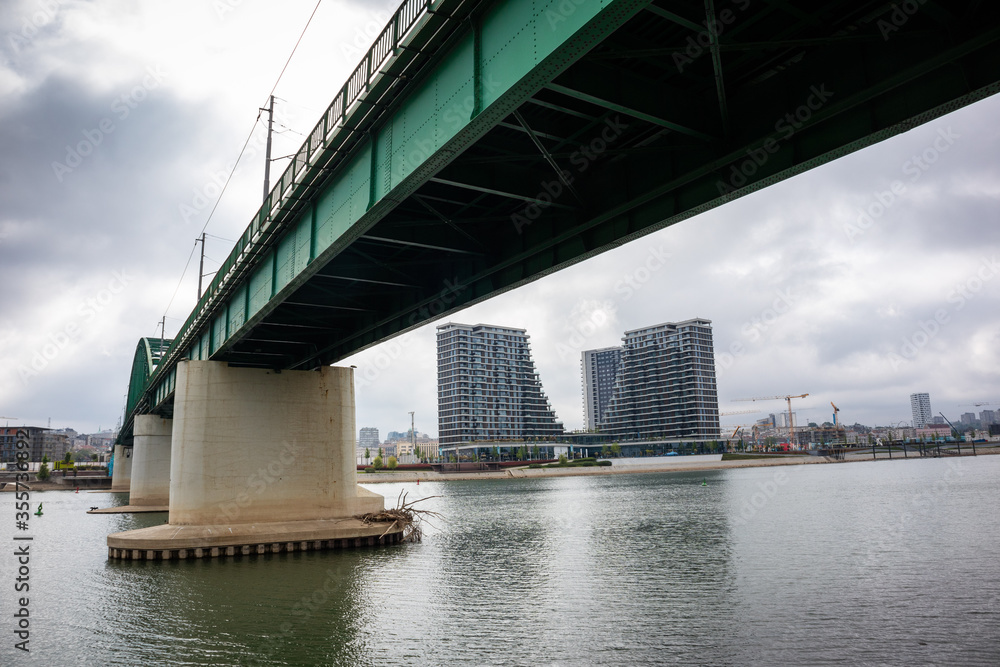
648 114
659 122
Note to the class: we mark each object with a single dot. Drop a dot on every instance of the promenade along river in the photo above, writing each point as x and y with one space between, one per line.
855 564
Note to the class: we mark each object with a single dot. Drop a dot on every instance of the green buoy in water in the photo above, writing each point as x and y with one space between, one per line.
704 483
39 512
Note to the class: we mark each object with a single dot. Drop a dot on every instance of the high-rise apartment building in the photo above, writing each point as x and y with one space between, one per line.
666 384
920 405
987 417
488 388
599 368
368 438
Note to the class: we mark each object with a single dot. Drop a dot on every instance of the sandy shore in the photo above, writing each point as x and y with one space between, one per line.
640 465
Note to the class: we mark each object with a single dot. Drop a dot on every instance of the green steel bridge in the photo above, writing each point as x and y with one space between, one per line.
482 144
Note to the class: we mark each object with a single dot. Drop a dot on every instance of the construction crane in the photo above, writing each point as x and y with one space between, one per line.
836 411
738 436
732 438
738 412
788 398
958 436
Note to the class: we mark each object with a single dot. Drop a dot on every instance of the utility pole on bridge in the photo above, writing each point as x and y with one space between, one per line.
267 157
201 263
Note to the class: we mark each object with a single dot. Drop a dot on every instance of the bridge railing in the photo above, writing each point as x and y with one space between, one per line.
258 235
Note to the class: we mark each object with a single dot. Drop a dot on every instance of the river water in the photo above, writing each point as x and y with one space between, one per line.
855 564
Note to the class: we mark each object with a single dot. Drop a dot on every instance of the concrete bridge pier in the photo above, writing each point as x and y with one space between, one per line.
151 461
121 476
258 458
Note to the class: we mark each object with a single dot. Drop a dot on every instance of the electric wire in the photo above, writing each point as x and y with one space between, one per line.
242 151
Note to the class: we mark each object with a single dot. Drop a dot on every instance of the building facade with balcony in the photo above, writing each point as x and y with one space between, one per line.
599 369
666 386
488 388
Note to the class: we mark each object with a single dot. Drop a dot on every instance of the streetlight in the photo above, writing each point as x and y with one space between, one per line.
413 437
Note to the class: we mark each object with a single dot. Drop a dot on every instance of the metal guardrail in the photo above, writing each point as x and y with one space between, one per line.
257 237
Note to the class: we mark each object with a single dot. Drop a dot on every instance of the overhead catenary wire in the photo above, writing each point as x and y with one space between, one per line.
242 152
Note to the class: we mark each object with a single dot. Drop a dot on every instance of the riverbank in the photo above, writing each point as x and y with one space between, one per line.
617 467
642 465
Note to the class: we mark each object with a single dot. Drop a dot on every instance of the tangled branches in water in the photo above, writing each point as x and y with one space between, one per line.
402 516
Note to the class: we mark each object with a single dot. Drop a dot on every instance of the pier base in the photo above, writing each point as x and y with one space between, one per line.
151 461
121 476
260 457
168 542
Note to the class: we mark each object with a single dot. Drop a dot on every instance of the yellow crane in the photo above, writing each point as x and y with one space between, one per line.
738 412
836 412
788 398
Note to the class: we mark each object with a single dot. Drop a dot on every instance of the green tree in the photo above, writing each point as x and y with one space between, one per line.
43 471
536 452
368 454
522 453
68 458
616 449
563 459
392 463
45 458
377 463
605 451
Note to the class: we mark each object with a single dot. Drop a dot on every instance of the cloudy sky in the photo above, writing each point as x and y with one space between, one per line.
117 119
